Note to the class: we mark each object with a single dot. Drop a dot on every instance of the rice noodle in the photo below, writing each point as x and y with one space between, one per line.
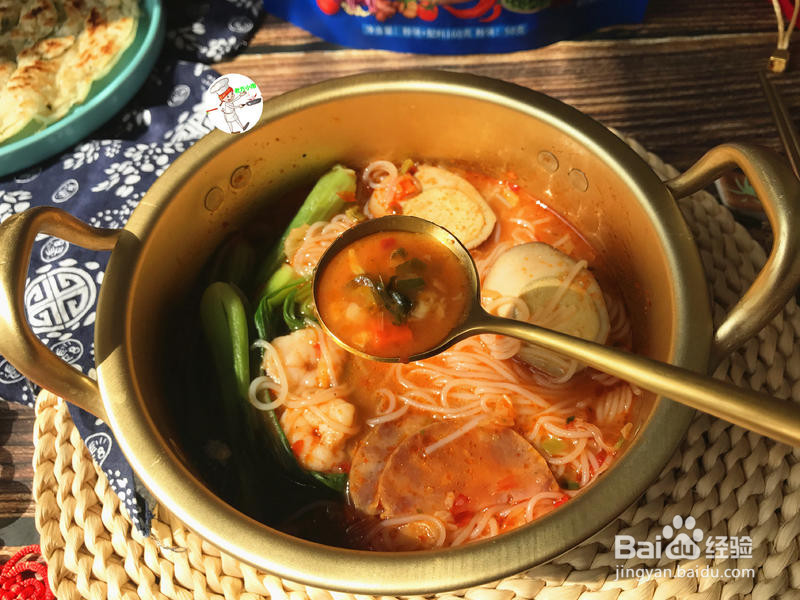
561 241
620 327
388 416
260 384
577 451
318 237
317 396
471 424
435 525
550 306
330 422
615 403
531 225
531 504
280 386
526 230
484 264
579 429
377 172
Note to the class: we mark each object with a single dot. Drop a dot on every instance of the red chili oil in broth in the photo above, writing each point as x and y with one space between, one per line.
393 294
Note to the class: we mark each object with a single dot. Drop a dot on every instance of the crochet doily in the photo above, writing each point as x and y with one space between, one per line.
732 482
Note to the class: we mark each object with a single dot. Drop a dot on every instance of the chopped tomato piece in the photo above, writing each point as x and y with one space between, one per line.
297 447
463 517
387 334
460 501
347 196
388 243
561 500
404 187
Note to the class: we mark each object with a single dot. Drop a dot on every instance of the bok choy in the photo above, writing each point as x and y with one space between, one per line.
284 304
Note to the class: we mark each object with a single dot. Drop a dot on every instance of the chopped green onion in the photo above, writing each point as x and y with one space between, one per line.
405 166
554 446
355 213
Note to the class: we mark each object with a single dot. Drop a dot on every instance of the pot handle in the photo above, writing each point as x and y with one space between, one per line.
779 191
18 344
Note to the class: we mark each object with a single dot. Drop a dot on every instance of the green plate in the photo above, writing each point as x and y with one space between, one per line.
106 97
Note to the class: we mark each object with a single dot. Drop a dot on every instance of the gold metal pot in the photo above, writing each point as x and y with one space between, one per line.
223 182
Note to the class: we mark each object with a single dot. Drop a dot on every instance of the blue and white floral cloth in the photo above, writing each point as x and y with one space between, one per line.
101 181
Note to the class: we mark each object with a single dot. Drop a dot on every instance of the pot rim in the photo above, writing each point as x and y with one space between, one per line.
393 573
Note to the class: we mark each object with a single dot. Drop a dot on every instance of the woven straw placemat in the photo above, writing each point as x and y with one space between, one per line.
734 483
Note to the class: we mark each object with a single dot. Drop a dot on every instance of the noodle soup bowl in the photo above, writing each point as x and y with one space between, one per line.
575 165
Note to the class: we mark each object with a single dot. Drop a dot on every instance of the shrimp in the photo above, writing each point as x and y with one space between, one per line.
318 434
316 416
308 360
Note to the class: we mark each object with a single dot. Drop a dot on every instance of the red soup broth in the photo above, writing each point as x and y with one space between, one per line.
393 294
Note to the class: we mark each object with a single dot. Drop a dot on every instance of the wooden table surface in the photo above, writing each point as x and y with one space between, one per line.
681 82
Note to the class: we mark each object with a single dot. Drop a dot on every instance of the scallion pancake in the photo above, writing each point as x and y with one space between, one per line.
61 48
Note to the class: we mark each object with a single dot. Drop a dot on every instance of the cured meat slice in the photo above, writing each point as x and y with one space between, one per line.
485 466
371 456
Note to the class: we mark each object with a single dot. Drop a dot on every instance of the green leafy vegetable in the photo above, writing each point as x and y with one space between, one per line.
297 306
335 481
398 254
323 202
407 287
225 325
268 317
396 297
413 267
234 262
284 301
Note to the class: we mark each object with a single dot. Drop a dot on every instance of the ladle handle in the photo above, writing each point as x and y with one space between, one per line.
778 189
774 418
18 344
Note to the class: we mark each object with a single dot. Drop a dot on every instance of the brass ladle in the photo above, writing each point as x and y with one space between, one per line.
774 418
